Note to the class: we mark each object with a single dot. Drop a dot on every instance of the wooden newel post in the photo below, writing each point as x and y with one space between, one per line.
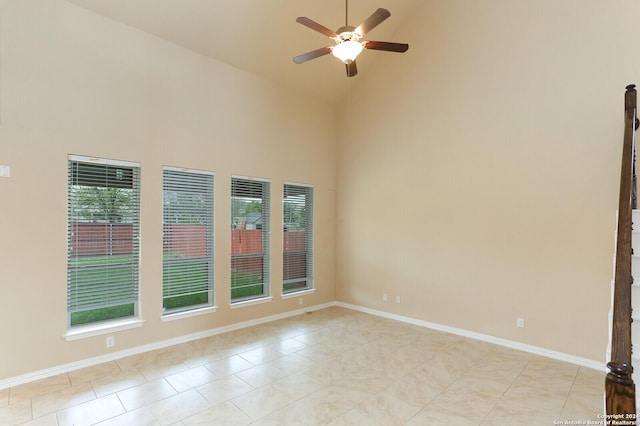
620 390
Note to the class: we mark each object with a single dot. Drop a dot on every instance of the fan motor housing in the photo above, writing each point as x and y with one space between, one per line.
347 33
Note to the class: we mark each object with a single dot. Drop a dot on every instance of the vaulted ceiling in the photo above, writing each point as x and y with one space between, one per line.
262 36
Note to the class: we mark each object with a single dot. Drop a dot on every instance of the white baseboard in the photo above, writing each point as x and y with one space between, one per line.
584 362
65 368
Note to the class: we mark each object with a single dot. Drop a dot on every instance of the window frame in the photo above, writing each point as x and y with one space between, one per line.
308 251
80 251
205 182
265 244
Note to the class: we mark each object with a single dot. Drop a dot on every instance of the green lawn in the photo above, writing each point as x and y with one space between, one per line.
118 269
244 285
89 274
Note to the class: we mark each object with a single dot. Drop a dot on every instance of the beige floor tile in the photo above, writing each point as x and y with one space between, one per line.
15 413
441 371
91 412
39 387
147 393
260 402
414 390
191 378
225 413
314 337
344 396
468 351
48 420
229 365
291 363
548 374
365 355
224 389
502 415
395 364
588 382
162 368
583 408
479 384
139 360
140 417
299 384
178 407
506 355
528 403
472 403
498 377
437 416
355 417
303 412
118 382
322 352
288 346
178 353
85 375
261 355
365 380
261 375
388 409
55 401
331 371
334 366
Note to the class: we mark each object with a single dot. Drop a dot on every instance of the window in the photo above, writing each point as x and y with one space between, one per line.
187 244
249 239
297 238
103 240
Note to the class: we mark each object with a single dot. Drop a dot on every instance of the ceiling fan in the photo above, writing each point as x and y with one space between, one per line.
348 44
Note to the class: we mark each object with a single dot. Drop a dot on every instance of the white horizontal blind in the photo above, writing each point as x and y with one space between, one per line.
250 238
297 238
187 278
103 240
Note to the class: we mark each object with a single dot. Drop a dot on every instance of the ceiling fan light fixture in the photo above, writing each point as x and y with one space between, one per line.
347 51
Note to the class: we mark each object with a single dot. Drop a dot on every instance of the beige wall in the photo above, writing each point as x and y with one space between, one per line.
478 173
72 82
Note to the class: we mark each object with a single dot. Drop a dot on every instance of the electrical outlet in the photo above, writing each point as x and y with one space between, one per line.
385 297
299 300
397 299
520 322
111 341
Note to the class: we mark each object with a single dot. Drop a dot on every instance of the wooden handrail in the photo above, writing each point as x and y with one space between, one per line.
620 390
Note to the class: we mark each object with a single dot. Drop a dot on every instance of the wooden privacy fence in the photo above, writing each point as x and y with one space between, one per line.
95 239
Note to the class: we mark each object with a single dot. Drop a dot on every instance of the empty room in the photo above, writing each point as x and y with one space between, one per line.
205 220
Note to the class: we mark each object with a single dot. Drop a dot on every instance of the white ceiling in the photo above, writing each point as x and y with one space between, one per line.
262 36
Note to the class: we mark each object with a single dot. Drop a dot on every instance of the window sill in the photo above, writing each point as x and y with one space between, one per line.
293 294
85 331
242 304
188 314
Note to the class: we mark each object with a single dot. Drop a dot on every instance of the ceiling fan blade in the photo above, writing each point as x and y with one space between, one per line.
315 26
372 21
352 70
385 45
312 55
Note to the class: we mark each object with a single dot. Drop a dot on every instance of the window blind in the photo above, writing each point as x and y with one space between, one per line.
250 238
297 239
187 279
103 240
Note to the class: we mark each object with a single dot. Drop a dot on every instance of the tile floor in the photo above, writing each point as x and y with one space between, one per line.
330 367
